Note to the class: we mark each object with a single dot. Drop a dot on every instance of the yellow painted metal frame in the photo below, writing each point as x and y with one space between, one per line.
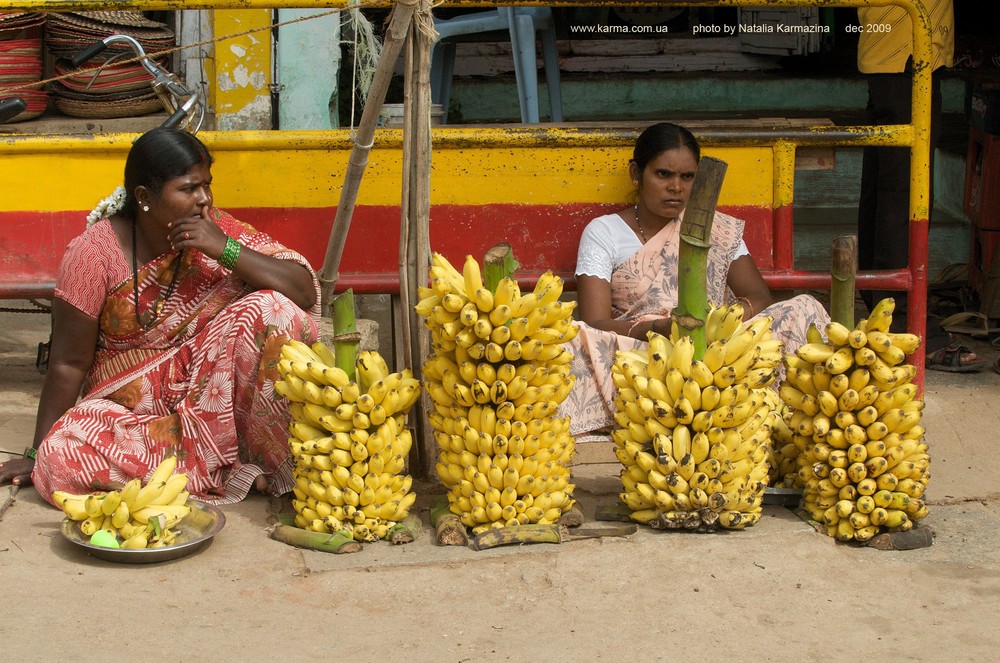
915 135
783 141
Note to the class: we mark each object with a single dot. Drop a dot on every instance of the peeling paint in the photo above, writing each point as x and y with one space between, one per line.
246 78
238 50
224 84
241 78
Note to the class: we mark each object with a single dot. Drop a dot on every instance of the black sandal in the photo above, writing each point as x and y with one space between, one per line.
949 359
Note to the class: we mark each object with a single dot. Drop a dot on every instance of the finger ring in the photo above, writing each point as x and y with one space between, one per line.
187 235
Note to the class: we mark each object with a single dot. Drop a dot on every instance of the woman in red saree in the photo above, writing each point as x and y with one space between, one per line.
168 316
626 276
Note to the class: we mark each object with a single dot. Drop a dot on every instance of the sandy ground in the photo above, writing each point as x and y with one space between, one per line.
778 591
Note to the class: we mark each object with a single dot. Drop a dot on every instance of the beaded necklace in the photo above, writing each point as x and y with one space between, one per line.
160 300
638 224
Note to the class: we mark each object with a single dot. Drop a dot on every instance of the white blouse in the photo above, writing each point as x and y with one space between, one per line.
608 241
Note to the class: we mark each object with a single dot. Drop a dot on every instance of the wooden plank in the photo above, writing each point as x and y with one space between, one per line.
616 55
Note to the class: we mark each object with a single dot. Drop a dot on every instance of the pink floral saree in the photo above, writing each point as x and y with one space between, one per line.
196 382
645 286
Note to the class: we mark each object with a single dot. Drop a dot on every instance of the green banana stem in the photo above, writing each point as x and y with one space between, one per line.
498 263
692 260
405 531
346 340
340 542
448 528
843 268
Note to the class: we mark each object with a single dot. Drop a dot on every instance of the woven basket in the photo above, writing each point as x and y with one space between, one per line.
115 78
56 88
67 22
15 79
106 110
22 46
36 102
132 18
16 21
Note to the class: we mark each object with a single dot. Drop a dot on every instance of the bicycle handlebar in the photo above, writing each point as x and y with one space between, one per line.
11 108
180 102
87 53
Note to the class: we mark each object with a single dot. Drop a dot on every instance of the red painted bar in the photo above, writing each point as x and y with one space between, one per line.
543 237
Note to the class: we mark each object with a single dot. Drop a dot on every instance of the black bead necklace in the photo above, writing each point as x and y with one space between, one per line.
160 300
638 224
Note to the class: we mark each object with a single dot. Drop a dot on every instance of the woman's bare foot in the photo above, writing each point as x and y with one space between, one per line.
261 484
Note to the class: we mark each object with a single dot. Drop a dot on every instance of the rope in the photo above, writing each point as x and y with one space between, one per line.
6 91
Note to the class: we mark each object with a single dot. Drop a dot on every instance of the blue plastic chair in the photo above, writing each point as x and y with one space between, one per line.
522 24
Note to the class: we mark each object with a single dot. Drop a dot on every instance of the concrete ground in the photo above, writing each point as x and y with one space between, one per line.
778 591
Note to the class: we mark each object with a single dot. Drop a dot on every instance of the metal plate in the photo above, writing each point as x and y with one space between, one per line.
197 529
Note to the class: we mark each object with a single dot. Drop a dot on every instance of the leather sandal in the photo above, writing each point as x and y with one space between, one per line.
949 359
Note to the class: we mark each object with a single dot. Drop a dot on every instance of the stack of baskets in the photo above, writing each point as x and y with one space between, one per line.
21 61
116 90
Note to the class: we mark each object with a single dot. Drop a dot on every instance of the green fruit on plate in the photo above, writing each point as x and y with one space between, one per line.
104 539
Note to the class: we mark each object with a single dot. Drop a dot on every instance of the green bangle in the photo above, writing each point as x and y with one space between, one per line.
30 452
230 254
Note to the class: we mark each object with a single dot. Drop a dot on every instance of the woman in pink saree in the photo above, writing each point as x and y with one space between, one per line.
626 276
168 316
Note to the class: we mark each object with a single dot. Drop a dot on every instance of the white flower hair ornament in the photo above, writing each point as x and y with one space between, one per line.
107 207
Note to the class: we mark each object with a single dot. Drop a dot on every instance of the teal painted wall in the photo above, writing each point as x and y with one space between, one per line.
308 69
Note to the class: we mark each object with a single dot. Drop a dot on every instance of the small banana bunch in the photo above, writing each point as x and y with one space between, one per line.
496 377
856 416
137 516
693 436
784 452
349 441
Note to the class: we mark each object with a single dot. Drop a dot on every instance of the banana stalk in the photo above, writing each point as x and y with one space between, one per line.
405 531
498 263
448 528
573 517
346 340
843 267
339 543
692 261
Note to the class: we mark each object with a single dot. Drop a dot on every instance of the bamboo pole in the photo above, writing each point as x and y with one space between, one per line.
843 268
692 261
402 16
414 243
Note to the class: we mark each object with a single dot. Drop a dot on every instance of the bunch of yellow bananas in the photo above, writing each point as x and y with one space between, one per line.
694 435
784 452
349 440
496 377
138 515
856 414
